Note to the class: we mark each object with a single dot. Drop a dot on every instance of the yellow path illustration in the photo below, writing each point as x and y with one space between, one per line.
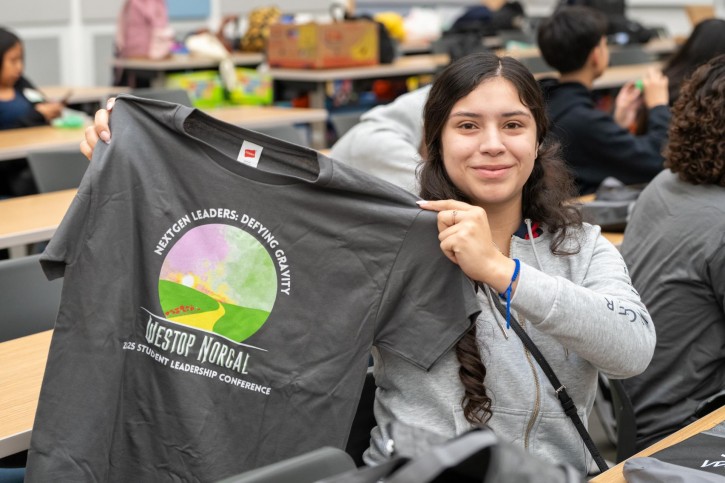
205 320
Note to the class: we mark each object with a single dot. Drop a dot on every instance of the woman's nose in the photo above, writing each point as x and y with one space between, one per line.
491 142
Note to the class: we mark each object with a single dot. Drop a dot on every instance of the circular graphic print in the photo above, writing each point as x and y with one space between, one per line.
218 278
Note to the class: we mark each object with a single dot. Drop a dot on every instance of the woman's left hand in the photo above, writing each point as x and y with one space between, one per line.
465 237
50 110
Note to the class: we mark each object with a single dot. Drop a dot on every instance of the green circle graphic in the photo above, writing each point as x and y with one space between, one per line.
218 278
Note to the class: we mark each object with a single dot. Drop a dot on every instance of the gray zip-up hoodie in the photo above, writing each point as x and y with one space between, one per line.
583 314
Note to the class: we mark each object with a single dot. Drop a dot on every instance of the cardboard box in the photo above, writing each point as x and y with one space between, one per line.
312 45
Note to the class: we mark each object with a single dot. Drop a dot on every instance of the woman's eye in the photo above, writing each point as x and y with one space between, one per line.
512 125
467 125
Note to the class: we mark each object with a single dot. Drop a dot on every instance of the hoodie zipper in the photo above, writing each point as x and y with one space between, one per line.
537 401
529 360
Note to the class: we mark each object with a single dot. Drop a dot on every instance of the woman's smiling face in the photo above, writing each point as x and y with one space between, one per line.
489 144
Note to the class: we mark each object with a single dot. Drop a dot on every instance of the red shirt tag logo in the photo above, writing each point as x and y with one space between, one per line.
250 153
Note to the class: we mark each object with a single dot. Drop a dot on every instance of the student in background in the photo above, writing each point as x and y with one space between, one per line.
675 249
597 145
388 140
20 106
706 41
501 190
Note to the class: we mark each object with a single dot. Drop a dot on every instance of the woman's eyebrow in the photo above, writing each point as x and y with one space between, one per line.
515 113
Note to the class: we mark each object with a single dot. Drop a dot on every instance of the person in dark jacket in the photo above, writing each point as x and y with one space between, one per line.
596 144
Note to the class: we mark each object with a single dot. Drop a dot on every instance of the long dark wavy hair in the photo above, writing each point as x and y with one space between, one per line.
706 41
545 197
696 148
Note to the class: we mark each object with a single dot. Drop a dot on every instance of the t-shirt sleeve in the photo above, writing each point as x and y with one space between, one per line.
68 240
428 302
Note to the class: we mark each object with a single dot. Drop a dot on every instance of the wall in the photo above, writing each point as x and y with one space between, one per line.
70 42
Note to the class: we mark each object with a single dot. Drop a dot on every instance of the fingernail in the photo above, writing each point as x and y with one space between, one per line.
110 103
105 136
421 202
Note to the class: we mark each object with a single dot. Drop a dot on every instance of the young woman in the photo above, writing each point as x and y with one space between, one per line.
501 192
20 106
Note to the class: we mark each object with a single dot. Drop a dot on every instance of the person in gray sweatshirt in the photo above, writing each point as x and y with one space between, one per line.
493 174
500 188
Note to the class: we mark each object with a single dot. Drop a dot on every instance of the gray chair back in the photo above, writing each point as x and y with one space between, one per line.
177 96
306 468
29 301
629 56
344 122
57 170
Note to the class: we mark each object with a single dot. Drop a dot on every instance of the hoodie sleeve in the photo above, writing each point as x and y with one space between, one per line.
386 141
600 317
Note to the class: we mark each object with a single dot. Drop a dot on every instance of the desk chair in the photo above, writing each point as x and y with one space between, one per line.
177 96
630 56
57 170
536 64
29 301
342 123
305 468
364 421
625 420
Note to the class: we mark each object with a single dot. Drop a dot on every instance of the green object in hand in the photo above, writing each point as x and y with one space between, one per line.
69 121
639 85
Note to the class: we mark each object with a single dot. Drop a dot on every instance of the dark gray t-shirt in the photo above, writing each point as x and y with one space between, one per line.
217 316
674 247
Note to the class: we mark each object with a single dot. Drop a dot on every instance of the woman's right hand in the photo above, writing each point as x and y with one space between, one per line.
99 130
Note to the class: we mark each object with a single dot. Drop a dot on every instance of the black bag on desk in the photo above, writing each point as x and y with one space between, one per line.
386 45
612 206
475 456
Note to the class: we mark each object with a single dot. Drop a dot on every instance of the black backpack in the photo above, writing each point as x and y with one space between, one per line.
476 456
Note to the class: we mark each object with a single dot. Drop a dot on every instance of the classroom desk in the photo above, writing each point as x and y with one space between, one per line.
402 66
258 117
83 95
22 364
658 47
180 62
615 475
16 143
33 218
615 76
